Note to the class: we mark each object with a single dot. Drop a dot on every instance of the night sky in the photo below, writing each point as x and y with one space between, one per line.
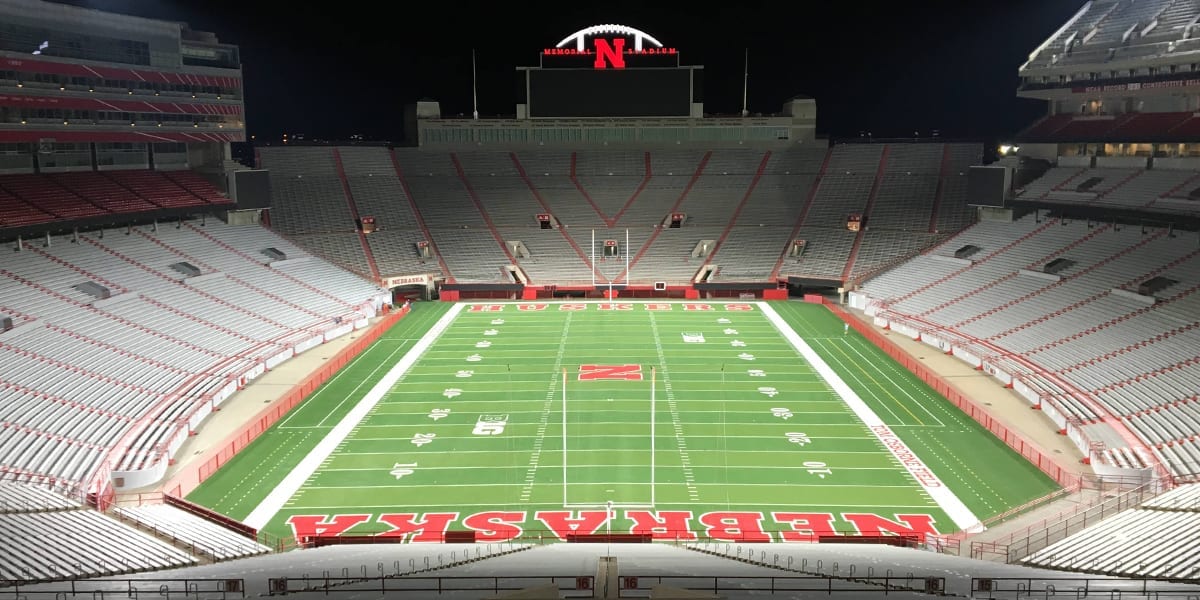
330 70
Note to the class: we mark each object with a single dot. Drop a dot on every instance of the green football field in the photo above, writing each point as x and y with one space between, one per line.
740 421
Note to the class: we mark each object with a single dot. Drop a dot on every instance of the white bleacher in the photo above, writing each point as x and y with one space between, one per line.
1135 358
749 253
78 543
712 200
924 270
904 201
25 498
676 163
652 206
486 164
1054 178
339 290
509 200
472 254
669 257
825 253
79 374
200 536
342 249
883 247
945 296
396 253
444 202
569 204
552 258
776 200
1128 267
839 194
1131 544
306 192
1007 278
359 161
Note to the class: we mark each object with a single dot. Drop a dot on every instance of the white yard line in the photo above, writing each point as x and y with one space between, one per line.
274 501
689 477
962 516
535 457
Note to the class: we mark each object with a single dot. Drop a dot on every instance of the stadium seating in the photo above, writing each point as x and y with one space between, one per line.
1102 33
129 364
48 537
201 537
38 199
1130 544
1153 190
1082 323
473 207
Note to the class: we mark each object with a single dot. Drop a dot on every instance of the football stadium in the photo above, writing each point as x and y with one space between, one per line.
608 345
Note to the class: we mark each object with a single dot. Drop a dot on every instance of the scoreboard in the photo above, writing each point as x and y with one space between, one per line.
609 71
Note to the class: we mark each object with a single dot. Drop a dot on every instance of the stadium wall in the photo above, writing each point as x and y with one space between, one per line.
191 475
1060 474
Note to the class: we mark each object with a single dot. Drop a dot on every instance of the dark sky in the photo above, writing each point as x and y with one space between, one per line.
334 69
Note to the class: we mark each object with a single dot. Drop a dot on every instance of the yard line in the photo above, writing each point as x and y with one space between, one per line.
891 366
853 372
283 424
273 502
689 477
962 516
536 456
859 372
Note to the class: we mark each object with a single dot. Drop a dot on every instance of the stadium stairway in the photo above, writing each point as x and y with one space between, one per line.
462 175
1125 180
1126 250
349 196
416 211
1075 336
808 202
288 276
546 207
957 272
940 194
758 173
866 214
206 295
1084 301
674 208
1062 185
195 260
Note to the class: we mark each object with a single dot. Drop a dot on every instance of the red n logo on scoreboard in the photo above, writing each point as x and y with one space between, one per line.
610 55
621 372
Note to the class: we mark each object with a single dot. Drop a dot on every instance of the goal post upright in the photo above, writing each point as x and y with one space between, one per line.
653 461
564 434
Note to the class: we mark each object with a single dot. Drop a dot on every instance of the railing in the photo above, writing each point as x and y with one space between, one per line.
191 476
1059 473
567 586
1054 529
1079 587
128 588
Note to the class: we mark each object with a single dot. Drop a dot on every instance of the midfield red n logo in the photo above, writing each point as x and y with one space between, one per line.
619 372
